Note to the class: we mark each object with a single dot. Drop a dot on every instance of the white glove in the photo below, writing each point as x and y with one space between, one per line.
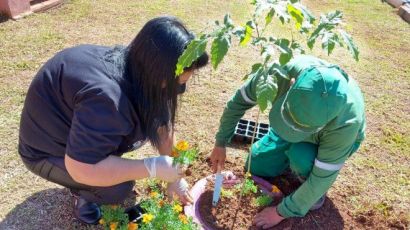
161 167
179 188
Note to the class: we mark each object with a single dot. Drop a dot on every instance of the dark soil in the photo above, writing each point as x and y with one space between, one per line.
333 215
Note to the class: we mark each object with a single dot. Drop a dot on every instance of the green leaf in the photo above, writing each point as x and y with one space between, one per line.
263 201
296 15
269 16
329 41
281 12
286 52
228 21
267 52
256 69
297 47
283 45
333 18
259 41
307 15
350 44
247 35
278 71
285 58
194 50
266 89
219 48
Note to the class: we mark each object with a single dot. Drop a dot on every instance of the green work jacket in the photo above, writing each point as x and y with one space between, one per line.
336 141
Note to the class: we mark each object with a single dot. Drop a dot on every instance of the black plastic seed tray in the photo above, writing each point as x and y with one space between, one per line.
244 131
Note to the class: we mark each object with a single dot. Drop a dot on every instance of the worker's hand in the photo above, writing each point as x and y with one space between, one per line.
218 157
267 218
162 168
166 139
180 189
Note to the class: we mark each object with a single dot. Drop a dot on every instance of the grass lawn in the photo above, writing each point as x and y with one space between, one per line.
373 188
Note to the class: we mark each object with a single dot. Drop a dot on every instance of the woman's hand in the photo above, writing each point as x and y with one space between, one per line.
267 218
180 188
166 140
162 167
218 157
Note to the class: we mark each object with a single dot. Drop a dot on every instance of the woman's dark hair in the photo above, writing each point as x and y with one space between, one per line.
150 66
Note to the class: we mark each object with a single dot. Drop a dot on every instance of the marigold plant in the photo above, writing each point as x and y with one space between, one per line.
114 218
263 201
183 154
164 214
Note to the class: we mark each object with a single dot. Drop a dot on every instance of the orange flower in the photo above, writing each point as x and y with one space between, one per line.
183 218
113 206
113 225
275 189
132 226
161 203
182 145
174 153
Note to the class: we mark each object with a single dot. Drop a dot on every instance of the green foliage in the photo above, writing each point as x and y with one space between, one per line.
297 15
194 50
186 157
275 51
350 44
266 90
219 49
183 154
248 187
161 214
227 193
263 201
113 216
247 34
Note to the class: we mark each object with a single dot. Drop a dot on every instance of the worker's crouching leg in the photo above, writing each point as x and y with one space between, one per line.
268 157
301 158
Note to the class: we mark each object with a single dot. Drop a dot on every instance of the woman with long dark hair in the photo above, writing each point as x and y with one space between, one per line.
90 104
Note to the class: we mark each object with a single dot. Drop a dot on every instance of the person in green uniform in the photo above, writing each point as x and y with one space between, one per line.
317 121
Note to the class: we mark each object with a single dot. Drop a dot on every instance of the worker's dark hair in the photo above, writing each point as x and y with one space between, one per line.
150 66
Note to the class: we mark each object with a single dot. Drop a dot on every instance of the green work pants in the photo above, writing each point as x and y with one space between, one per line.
271 155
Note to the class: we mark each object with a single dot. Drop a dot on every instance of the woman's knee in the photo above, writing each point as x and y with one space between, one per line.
109 195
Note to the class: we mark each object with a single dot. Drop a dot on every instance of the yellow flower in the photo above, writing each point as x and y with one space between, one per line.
174 153
177 208
183 218
182 145
113 225
113 206
146 218
132 226
153 194
101 221
248 174
275 189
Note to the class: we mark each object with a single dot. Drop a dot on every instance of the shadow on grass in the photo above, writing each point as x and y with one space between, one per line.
47 209
3 18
